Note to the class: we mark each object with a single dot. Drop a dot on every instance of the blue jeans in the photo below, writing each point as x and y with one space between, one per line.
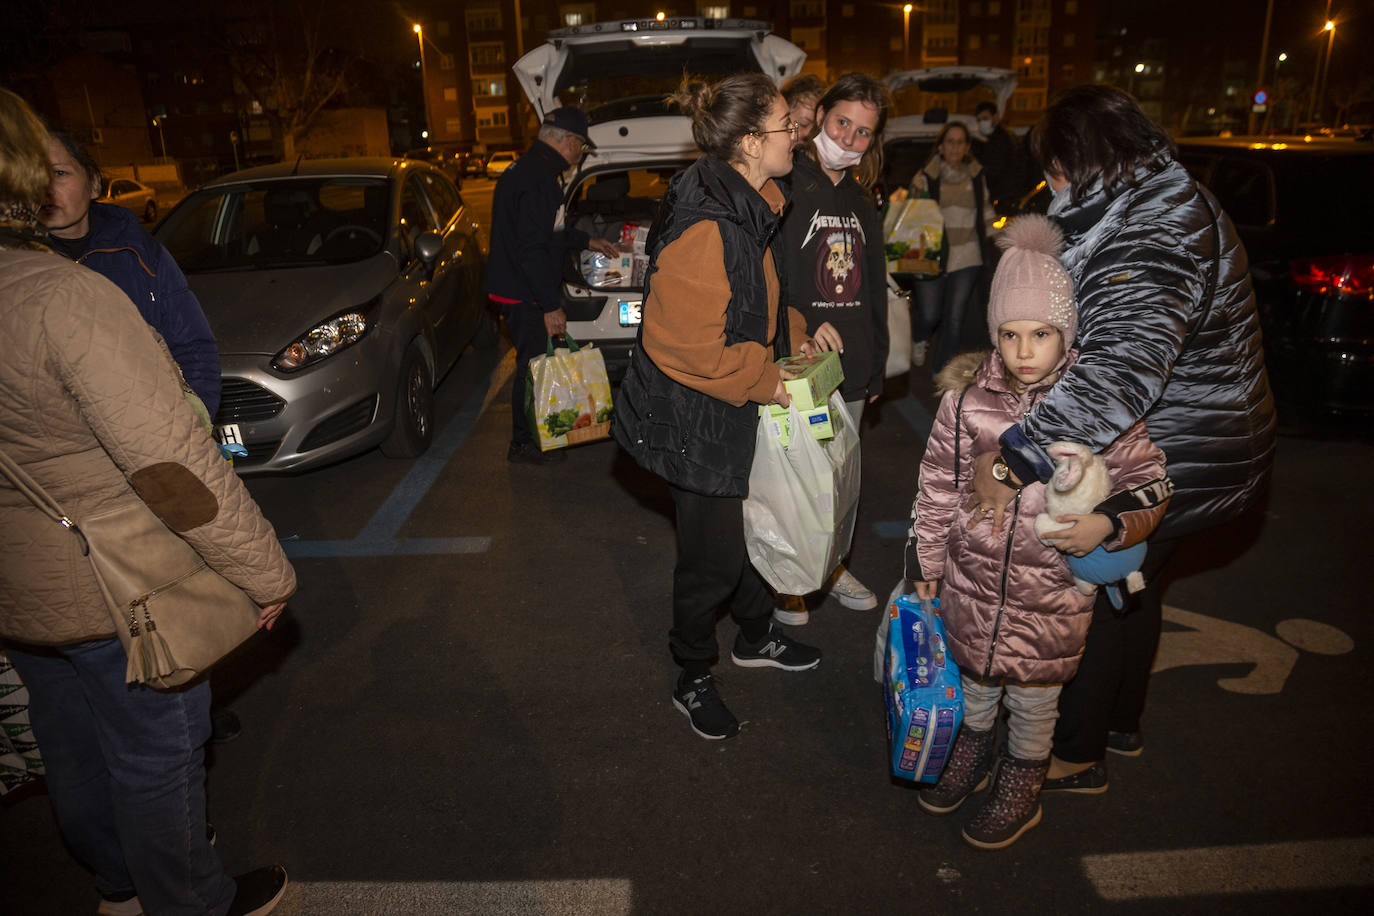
126 775
943 303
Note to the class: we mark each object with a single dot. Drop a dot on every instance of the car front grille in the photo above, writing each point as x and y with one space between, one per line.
241 401
258 452
346 422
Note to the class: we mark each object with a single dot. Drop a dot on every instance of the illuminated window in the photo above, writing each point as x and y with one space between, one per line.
716 12
489 86
1070 7
847 10
1069 39
807 9
994 8
451 94
975 41
445 61
571 14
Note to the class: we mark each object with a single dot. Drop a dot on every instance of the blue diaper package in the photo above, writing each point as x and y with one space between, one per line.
925 703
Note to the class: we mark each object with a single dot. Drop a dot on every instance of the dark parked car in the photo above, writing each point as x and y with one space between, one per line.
446 161
1303 211
340 291
472 164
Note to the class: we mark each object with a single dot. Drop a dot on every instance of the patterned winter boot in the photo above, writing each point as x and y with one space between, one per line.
1012 807
966 772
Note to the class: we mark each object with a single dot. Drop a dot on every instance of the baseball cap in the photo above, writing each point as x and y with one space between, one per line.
572 120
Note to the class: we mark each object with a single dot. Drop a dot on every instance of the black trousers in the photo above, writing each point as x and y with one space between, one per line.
1108 692
712 569
526 323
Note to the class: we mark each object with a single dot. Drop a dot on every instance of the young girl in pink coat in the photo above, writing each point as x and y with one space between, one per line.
1015 621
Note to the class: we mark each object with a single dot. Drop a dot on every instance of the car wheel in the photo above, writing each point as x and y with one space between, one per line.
150 211
413 428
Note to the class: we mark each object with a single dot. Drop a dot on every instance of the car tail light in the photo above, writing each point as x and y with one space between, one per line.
1350 275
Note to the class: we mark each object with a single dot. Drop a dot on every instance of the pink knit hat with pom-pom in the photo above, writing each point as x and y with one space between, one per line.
1030 283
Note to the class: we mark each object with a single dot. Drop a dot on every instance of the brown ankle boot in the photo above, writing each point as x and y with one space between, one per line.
965 772
1012 807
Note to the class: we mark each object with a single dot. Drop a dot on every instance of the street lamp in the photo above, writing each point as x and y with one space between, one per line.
424 79
1139 68
1330 28
906 37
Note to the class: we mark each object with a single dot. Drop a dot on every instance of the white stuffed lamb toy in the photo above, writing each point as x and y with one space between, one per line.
1079 483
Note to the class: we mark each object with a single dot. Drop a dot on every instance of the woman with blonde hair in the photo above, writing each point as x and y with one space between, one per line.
95 414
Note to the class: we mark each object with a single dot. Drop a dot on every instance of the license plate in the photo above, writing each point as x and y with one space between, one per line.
630 313
229 434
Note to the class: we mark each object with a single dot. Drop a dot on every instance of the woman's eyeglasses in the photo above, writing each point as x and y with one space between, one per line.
792 128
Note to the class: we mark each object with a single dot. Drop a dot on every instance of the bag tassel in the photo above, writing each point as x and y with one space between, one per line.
149 656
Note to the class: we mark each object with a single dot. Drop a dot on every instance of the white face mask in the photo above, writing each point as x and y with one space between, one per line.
832 155
985 127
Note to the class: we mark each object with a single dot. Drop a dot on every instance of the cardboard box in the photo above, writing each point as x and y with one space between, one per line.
817 376
817 421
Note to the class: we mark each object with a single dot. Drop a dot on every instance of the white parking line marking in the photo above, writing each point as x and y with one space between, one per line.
1269 867
604 897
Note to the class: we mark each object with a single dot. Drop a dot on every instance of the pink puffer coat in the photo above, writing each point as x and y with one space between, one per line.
1008 600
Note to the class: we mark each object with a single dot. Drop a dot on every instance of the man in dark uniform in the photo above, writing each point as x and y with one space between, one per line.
528 245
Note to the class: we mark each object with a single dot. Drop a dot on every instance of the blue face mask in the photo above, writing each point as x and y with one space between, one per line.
1061 197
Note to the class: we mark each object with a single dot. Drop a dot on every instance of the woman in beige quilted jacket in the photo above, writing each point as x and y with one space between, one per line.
92 407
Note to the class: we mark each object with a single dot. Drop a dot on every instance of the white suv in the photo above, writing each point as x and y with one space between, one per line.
620 73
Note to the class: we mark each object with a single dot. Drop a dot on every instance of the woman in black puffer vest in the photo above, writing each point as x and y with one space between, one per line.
688 406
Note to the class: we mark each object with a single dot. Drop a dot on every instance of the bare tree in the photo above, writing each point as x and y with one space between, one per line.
284 57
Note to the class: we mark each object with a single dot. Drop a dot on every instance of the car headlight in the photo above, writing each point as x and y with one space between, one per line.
323 340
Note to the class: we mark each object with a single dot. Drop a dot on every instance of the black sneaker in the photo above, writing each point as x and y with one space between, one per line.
697 698
529 453
259 891
775 651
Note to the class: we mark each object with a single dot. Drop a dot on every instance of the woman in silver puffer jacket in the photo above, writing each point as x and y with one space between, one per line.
1168 334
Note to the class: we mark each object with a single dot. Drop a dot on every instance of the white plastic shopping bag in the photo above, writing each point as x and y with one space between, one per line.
898 330
803 500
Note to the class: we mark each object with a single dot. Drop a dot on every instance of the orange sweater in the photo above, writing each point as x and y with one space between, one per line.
684 319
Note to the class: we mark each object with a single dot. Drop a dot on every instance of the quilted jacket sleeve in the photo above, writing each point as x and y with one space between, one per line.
937 498
1135 299
128 392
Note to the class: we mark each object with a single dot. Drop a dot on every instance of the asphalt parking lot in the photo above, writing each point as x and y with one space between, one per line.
468 711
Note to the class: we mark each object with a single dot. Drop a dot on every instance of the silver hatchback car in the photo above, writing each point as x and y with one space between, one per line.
340 291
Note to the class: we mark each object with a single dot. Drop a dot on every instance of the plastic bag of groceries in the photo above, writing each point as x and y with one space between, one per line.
568 396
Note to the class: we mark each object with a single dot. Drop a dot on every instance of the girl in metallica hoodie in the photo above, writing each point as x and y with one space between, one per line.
834 266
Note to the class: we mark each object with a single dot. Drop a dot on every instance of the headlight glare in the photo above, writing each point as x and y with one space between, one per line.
325 339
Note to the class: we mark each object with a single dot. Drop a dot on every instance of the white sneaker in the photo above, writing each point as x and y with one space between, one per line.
851 592
791 611
918 352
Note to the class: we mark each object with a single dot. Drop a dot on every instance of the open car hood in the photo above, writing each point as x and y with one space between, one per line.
622 70
941 80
